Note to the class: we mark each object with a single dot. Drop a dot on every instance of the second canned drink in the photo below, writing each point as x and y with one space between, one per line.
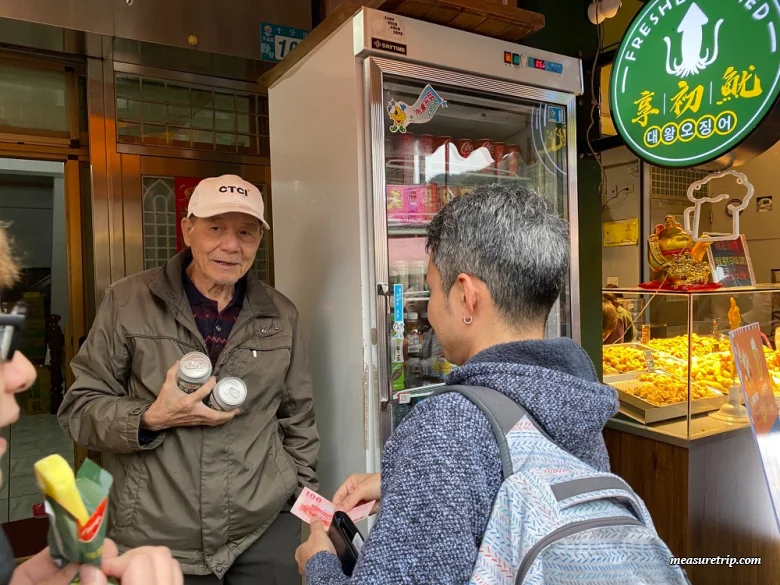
228 394
194 371
465 147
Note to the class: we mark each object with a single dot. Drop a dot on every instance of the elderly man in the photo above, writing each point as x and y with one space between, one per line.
214 487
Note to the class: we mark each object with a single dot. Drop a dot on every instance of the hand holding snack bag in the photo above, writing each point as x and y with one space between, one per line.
77 509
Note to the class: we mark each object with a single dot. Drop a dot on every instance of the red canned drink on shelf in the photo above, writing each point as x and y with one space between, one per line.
440 141
490 155
465 147
426 145
513 158
408 150
486 144
499 152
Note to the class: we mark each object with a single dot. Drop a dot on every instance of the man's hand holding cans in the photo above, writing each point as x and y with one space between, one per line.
174 408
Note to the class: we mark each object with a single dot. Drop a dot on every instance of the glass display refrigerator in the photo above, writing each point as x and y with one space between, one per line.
373 130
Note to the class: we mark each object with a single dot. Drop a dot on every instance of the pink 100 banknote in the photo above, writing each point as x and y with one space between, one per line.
311 506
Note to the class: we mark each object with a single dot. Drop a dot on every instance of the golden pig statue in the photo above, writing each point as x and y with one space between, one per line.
674 260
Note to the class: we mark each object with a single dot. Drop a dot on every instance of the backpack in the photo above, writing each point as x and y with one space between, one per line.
556 520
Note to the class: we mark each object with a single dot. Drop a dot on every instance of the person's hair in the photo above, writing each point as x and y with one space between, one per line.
610 298
510 239
609 317
9 269
616 295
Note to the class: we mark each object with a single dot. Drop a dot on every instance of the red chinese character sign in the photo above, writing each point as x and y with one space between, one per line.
693 81
183 188
402 114
758 391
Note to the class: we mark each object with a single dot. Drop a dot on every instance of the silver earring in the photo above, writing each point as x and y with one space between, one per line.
468 320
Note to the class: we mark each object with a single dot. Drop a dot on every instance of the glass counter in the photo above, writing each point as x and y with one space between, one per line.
676 377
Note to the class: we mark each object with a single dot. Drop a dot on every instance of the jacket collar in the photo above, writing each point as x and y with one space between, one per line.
167 284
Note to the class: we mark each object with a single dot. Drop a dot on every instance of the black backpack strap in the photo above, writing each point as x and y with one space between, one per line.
502 412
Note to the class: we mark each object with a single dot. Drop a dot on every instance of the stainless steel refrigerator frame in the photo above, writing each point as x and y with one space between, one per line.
375 68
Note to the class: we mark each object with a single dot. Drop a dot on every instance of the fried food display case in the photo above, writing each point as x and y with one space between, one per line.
677 375
679 439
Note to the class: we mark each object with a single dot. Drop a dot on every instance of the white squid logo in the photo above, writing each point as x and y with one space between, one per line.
692 39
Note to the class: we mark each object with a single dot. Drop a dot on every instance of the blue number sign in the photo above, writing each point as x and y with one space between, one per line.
277 41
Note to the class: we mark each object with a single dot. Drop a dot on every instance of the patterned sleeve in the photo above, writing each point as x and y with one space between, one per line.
442 472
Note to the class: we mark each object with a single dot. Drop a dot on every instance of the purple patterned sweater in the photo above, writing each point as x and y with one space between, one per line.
441 469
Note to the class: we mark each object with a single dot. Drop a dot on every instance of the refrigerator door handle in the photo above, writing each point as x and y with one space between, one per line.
384 292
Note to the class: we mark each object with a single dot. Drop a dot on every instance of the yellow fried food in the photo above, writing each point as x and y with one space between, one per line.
678 346
620 359
661 390
711 359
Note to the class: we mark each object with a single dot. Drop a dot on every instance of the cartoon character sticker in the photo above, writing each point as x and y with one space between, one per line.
422 111
397 113
695 211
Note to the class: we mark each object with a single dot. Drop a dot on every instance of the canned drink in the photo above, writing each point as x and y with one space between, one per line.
465 147
513 158
499 152
426 144
194 371
228 394
440 141
488 146
485 143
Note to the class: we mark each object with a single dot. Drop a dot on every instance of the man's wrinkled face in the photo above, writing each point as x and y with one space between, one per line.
223 247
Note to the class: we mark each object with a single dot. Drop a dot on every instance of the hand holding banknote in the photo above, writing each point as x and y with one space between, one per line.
357 490
311 506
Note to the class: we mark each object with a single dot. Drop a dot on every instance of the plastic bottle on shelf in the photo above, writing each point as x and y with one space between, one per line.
439 365
414 351
397 374
417 271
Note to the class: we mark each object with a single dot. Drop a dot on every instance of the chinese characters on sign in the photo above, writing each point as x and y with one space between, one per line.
730 263
277 41
693 80
402 114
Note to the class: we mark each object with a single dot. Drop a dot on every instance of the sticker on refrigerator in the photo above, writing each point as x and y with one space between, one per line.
556 114
398 310
388 27
402 114
388 33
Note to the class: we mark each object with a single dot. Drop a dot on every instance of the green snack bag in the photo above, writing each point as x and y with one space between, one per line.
77 517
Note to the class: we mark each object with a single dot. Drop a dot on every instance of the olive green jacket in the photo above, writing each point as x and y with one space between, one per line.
206 493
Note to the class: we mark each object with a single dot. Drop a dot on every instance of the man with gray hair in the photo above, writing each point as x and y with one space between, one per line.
498 261
212 484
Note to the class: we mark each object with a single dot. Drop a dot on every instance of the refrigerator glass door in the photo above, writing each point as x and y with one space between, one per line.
434 141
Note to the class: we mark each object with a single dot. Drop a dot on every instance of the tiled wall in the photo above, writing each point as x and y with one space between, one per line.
31 438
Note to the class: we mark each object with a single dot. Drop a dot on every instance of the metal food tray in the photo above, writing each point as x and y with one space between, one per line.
647 413
643 348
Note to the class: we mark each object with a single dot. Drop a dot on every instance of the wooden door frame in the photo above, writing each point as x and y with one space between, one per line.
74 238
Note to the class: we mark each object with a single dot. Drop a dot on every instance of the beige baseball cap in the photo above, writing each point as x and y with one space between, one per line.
226 194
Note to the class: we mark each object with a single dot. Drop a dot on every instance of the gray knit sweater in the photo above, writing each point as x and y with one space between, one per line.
441 469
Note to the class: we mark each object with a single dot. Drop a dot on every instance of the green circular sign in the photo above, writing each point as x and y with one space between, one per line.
693 80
